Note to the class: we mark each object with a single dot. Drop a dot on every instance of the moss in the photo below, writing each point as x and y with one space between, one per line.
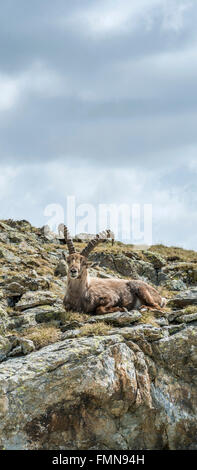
190 309
148 317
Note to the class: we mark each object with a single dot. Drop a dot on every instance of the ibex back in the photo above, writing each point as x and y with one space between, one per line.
87 294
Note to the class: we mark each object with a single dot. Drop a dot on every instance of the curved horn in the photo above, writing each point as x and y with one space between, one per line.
111 235
98 239
68 240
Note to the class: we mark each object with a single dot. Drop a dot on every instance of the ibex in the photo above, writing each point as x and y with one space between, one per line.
98 296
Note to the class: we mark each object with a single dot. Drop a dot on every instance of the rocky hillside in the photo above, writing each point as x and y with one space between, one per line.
119 381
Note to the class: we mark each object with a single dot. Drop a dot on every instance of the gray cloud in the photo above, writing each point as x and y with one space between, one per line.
99 100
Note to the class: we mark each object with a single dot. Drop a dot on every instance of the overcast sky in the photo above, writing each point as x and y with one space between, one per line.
98 99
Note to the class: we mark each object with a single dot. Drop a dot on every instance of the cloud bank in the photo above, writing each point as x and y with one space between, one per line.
98 99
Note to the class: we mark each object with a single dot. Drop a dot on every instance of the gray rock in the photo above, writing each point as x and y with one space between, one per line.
188 318
174 315
9 256
125 399
187 297
4 237
49 313
162 321
117 318
146 271
27 346
174 328
175 284
172 351
141 332
15 351
157 260
61 269
33 299
22 283
5 347
14 288
162 277
71 334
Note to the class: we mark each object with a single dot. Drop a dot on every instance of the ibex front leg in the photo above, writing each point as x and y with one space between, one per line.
67 305
108 309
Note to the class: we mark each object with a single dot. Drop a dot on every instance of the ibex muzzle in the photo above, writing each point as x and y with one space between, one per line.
76 265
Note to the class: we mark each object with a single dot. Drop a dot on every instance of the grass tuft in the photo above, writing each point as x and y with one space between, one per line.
190 309
95 329
148 317
75 316
42 335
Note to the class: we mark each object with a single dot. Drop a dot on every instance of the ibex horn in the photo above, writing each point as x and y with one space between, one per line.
68 240
98 239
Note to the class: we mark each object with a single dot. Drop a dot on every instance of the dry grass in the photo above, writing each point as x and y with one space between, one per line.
180 254
9 310
148 317
165 251
164 292
44 270
48 247
95 329
42 335
117 248
75 316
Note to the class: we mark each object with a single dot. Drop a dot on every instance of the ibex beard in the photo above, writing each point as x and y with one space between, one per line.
98 296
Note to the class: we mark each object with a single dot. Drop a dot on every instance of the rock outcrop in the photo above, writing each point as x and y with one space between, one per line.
126 380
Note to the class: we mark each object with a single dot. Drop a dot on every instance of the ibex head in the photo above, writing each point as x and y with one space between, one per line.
78 262
77 265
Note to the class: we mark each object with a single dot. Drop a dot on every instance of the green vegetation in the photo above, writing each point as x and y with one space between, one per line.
190 309
148 317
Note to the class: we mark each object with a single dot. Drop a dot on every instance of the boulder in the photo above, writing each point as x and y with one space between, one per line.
27 346
187 297
117 318
5 347
157 260
33 299
124 398
61 269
